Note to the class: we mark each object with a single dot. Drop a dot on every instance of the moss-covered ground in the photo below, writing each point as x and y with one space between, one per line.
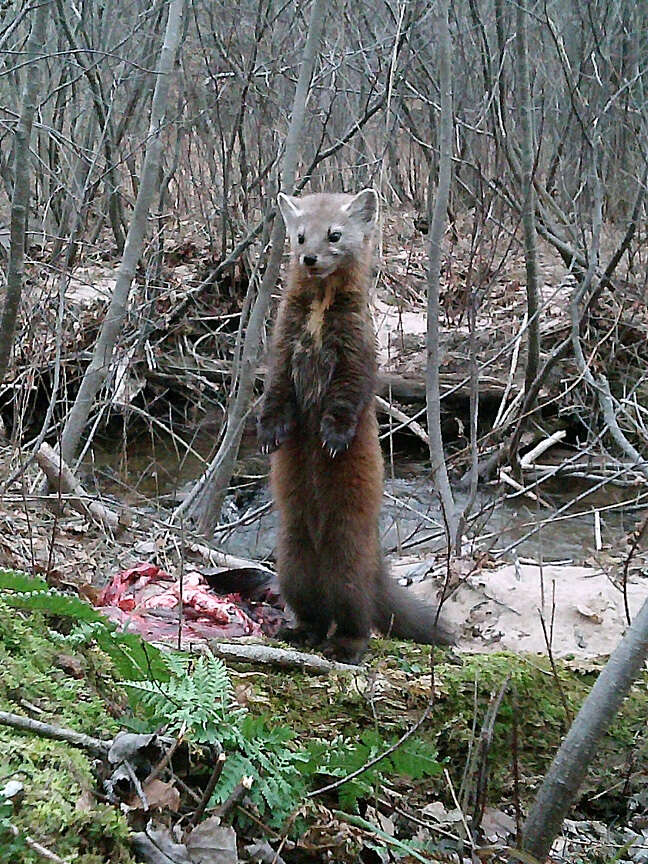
76 687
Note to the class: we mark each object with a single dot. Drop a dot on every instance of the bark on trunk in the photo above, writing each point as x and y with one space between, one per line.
528 211
437 230
20 198
561 785
206 498
111 328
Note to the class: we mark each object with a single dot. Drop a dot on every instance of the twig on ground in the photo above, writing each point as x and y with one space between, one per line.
626 566
238 792
515 754
209 789
168 756
404 737
505 477
37 847
61 478
548 637
485 742
407 422
286 658
222 559
509 381
57 733
527 461
359 822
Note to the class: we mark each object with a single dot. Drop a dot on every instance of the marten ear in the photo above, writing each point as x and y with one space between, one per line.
363 207
289 210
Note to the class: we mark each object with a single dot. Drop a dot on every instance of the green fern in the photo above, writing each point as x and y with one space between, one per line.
197 695
16 580
132 658
339 758
22 591
200 696
180 690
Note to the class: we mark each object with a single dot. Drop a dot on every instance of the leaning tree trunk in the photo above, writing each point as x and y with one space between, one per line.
437 230
97 371
206 498
20 197
561 785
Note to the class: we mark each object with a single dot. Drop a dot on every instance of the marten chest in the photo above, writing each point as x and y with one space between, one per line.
314 353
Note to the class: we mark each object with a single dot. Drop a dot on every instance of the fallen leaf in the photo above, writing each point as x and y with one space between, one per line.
158 847
71 665
85 802
497 825
159 796
212 843
128 746
262 852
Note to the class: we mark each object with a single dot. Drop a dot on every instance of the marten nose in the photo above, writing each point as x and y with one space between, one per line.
310 260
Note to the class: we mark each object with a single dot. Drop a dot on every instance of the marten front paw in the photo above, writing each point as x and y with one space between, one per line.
271 433
336 435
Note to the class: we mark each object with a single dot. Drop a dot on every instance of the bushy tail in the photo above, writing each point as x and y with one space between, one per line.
399 614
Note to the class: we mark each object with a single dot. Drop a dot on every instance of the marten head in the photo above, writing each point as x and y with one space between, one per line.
329 232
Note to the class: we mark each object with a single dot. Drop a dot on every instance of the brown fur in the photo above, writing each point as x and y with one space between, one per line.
326 473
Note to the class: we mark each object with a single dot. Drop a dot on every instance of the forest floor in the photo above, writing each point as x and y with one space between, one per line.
297 732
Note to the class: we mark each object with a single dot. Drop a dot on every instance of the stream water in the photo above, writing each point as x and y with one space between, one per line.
153 470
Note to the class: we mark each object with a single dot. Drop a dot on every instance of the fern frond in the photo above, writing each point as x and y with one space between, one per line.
16 580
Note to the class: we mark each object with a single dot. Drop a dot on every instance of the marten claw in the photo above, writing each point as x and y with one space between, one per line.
336 438
271 437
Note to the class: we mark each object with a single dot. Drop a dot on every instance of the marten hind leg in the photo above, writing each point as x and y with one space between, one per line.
349 641
343 566
297 566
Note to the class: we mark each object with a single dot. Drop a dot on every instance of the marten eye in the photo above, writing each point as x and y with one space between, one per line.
334 236
300 239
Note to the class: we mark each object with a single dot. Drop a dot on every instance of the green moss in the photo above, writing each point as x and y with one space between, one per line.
58 809
393 692
370 707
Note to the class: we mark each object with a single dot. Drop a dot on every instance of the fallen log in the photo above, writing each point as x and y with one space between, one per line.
404 389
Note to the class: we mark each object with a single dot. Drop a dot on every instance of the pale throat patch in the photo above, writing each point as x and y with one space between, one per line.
315 320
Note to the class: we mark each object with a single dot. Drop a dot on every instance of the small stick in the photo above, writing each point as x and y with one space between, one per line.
515 753
529 458
209 789
223 559
61 477
626 566
456 803
37 847
485 743
166 759
511 375
286 658
137 786
406 421
238 792
598 542
57 733
404 737
373 830
506 478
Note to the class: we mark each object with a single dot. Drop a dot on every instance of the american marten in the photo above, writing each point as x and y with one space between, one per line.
318 420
